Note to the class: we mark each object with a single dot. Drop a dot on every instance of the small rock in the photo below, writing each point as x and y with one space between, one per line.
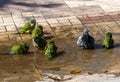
55 77
67 77
46 80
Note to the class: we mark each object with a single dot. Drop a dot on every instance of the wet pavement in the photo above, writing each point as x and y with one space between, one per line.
70 56
63 21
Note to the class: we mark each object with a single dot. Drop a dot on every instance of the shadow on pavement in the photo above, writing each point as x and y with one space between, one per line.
4 2
46 5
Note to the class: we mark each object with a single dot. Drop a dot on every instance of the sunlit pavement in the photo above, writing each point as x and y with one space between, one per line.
52 13
99 16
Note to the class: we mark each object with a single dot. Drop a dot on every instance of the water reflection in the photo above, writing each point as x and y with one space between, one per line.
72 57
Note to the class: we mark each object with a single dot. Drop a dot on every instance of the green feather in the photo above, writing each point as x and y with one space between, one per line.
37 32
108 42
20 48
17 49
50 49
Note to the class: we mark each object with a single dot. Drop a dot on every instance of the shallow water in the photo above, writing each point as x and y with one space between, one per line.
70 57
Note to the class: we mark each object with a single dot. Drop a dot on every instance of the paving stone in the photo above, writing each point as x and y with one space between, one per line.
1 21
86 20
95 19
27 14
93 29
19 25
20 20
6 24
11 28
2 29
17 18
37 15
68 13
75 21
51 16
70 17
96 14
59 31
8 20
52 21
4 38
44 24
112 23
115 17
15 38
40 20
106 18
47 30
70 29
118 22
104 28
56 24
114 29
63 21
17 14
28 18
78 28
13 9
6 15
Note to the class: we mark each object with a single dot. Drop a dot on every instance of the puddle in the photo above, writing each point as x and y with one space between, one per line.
70 57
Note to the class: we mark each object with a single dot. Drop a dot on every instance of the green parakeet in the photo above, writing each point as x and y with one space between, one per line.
50 49
39 42
37 32
108 34
108 42
19 49
33 23
28 26
39 26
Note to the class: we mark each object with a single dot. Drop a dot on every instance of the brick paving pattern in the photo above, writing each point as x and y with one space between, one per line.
96 14
60 17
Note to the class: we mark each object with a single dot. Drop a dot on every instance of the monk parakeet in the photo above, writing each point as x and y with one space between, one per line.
108 42
38 39
19 49
39 42
50 49
33 23
28 27
37 32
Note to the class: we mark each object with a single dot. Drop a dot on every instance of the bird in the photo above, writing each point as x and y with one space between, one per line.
108 42
50 49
